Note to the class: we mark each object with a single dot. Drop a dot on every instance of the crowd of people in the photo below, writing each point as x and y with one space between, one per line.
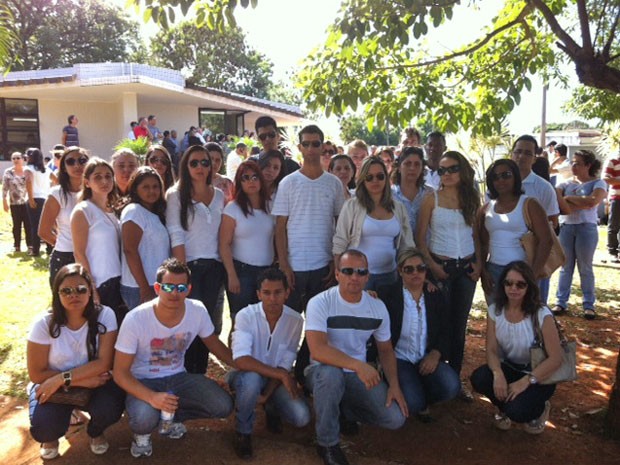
349 280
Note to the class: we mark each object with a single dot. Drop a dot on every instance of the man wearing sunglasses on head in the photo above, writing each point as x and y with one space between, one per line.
339 323
150 352
269 137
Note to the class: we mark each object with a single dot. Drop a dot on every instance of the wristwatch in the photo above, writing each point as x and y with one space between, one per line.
533 379
66 377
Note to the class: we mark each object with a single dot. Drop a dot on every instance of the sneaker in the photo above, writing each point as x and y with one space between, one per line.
502 422
49 450
99 445
332 455
243 446
537 426
141 446
177 431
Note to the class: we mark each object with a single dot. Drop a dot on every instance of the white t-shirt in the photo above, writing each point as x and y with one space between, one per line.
159 351
154 245
515 339
64 242
253 239
233 160
378 243
103 249
348 325
68 350
589 215
40 182
311 206
535 186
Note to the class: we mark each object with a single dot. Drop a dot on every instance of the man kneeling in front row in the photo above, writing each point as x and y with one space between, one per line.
150 352
264 347
339 323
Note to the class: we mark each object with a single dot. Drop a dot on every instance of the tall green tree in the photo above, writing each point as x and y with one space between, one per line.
356 127
57 33
8 39
213 58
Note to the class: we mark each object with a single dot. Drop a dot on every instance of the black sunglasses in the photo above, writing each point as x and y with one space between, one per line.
74 161
520 284
315 143
249 177
358 271
80 289
448 170
502 175
409 269
265 135
329 152
204 162
378 176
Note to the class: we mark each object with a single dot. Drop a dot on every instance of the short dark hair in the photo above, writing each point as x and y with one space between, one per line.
516 175
589 159
133 124
151 117
241 145
174 266
265 121
166 133
311 129
354 253
271 274
435 135
561 149
526 138
70 118
552 143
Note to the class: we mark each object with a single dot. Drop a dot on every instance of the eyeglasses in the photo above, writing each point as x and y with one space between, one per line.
409 269
328 153
73 161
503 175
204 162
249 177
154 160
358 271
448 169
372 177
315 143
57 155
519 284
265 135
169 288
77 290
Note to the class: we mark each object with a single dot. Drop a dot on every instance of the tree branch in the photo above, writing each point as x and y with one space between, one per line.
569 45
612 35
585 27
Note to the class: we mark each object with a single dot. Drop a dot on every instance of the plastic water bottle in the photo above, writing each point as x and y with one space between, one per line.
165 421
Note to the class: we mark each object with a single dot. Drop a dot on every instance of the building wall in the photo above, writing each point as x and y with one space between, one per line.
179 117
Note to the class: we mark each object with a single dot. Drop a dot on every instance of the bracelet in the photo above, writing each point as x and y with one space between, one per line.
66 377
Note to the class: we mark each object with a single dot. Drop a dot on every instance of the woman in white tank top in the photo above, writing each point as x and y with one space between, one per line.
502 223
452 248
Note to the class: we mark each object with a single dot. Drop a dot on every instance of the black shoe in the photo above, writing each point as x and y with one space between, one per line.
332 455
243 446
274 423
348 427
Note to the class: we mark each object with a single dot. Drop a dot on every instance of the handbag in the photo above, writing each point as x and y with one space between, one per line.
568 369
529 242
77 396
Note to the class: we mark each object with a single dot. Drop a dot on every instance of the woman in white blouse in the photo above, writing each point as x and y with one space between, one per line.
193 216
38 187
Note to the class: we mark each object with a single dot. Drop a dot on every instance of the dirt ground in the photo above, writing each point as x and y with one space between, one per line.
461 433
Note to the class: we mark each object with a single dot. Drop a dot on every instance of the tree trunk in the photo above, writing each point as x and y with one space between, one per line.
612 420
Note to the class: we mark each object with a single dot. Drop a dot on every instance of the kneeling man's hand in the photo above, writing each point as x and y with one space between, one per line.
395 394
368 375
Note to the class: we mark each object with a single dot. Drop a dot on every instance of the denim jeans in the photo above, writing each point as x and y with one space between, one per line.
421 391
382 279
248 386
527 406
34 216
495 271
247 275
131 296
199 397
19 215
57 261
579 243
613 227
333 388
49 421
543 287
307 285
207 280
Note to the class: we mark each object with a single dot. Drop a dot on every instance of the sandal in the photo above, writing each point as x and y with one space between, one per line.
558 310
589 313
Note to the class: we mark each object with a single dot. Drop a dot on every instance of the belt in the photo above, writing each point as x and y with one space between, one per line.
454 262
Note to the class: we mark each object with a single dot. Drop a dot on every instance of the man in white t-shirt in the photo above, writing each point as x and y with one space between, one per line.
235 158
149 361
306 207
264 347
339 323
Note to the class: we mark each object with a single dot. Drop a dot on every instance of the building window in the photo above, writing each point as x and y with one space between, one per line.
222 121
19 126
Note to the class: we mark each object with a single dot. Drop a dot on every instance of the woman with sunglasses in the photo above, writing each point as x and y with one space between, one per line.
14 184
55 224
272 166
447 236
159 159
343 168
507 379
246 236
96 234
373 223
408 184
420 328
579 200
220 181
193 217
145 239
37 187
72 345
502 224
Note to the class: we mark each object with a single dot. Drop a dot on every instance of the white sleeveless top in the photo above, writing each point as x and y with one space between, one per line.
40 182
64 241
505 230
450 235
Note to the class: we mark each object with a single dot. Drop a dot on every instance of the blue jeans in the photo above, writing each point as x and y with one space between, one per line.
495 271
131 296
333 388
248 386
307 285
543 286
421 391
49 421
527 406
579 243
57 261
34 216
199 397
381 279
247 275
